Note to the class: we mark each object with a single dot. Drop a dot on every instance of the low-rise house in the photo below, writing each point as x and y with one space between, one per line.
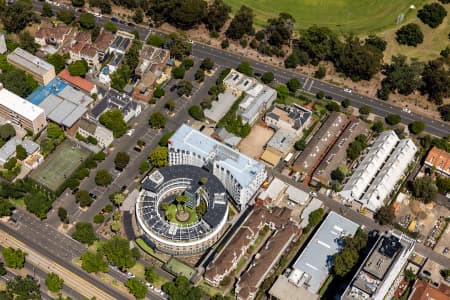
104 136
42 71
227 260
102 43
337 155
423 290
113 99
439 160
78 82
121 43
279 145
52 36
8 150
289 117
115 61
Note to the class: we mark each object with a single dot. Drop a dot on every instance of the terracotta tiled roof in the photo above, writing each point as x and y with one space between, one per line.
76 48
424 291
56 33
104 40
440 159
83 37
89 51
77 81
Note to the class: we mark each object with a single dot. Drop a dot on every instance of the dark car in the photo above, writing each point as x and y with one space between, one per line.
329 97
123 188
257 74
173 87
93 196
75 190
131 24
122 22
114 19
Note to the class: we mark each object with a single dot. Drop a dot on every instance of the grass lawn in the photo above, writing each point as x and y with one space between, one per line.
146 248
19 203
171 213
59 165
343 16
178 268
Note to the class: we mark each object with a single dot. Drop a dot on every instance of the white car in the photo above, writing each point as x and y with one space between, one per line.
348 90
149 285
130 132
130 275
313 194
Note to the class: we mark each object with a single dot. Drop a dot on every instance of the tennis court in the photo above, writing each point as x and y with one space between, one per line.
179 268
60 165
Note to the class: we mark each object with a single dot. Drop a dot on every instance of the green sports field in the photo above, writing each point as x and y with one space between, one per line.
59 165
343 16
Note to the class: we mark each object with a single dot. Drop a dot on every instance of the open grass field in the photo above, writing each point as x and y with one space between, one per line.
59 165
343 16
179 268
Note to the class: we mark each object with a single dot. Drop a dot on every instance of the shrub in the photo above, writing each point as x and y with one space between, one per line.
432 14
98 219
410 35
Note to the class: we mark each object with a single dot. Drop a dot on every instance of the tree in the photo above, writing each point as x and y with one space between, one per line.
78 68
83 198
121 77
10 164
178 72
138 16
424 188
300 145
47 10
3 271
200 75
113 120
98 219
62 214
117 251
144 166
133 54
84 233
315 217
365 110
293 85
14 258
78 3
245 68
196 112
410 35
187 63
150 274
104 5
22 288
18 82
26 42
157 120
57 61
432 14
21 153
376 42
344 261
356 147
155 40
7 131
6 208
436 78
158 157
184 88
54 283
103 178
218 14
333 106
385 215
393 119
110 26
136 287
338 175
121 161
445 112
320 73
241 24
66 16
207 64
117 198
225 44
87 20
39 202
159 92
181 288
345 103
377 126
17 16
170 105
279 30
267 77
417 127
54 132
93 262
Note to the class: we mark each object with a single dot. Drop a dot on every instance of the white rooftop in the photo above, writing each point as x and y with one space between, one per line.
313 265
31 62
19 105
243 168
273 190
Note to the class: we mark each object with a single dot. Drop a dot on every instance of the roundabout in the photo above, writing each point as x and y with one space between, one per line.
182 209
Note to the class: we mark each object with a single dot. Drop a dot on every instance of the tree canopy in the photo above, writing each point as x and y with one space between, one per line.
245 68
196 112
117 251
87 20
218 13
57 61
66 16
182 289
432 14
137 288
410 35
113 120
93 262
78 68
385 215
424 188
417 127
54 283
17 16
14 258
158 157
103 178
84 233
21 288
241 24
157 120
122 159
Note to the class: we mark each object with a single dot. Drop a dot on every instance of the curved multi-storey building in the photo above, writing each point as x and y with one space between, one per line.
176 238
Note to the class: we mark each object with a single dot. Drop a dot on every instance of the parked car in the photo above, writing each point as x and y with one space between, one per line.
328 97
347 90
114 19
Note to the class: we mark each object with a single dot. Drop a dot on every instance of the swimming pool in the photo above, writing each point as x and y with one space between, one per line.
54 87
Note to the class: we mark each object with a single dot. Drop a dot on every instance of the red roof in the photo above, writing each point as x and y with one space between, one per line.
77 81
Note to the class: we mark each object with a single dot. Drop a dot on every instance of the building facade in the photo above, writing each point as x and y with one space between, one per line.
103 135
241 175
438 159
20 112
42 71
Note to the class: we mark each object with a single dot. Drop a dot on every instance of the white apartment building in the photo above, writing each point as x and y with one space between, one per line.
241 175
379 171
